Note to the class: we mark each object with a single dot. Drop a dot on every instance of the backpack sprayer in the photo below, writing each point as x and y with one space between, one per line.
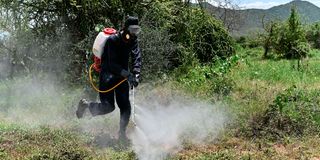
98 48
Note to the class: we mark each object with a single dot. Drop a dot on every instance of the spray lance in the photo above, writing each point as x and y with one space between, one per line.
97 50
133 108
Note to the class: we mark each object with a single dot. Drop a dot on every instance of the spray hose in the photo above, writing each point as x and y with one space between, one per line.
106 91
97 89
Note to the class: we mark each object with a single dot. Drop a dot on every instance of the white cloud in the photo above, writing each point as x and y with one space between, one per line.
260 5
266 5
316 2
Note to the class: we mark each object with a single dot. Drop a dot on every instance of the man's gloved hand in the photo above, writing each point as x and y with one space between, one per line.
136 80
133 80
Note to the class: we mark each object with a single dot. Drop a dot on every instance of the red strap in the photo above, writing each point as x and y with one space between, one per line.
97 64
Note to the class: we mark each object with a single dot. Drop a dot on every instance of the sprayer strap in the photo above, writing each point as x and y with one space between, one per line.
96 88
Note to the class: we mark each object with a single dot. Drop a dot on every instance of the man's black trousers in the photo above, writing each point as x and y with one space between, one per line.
107 105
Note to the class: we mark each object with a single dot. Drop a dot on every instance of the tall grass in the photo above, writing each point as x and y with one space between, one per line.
275 71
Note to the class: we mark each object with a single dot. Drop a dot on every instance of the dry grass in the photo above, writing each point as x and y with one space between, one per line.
240 148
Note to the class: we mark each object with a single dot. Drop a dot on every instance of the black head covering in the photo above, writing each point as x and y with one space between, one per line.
131 21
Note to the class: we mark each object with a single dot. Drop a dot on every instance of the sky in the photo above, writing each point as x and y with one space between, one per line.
264 4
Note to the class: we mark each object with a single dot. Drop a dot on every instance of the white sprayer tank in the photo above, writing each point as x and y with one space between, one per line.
100 41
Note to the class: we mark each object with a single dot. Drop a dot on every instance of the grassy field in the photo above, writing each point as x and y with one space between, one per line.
256 84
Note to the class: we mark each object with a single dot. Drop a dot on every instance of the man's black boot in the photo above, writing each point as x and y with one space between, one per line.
124 141
82 106
123 135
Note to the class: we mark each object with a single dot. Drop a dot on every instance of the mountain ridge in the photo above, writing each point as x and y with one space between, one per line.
252 18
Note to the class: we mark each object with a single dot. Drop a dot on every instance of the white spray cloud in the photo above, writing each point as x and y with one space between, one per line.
165 122
35 101
105 124
163 128
29 92
40 101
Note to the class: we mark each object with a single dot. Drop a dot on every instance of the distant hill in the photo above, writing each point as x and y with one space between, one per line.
252 18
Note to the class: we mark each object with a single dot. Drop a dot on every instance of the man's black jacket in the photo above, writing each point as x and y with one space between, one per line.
115 58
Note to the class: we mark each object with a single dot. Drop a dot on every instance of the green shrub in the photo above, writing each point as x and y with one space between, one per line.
294 112
222 85
209 78
313 35
205 36
253 42
249 41
241 40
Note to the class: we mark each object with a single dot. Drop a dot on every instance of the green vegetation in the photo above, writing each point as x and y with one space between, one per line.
313 35
294 112
288 40
18 142
261 91
292 43
277 71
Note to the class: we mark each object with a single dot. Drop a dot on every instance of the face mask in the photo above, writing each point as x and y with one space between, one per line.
134 30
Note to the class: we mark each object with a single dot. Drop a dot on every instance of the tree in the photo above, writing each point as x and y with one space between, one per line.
58 34
53 28
227 11
270 36
292 43
13 21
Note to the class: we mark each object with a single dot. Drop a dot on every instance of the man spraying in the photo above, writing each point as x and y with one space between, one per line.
114 68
